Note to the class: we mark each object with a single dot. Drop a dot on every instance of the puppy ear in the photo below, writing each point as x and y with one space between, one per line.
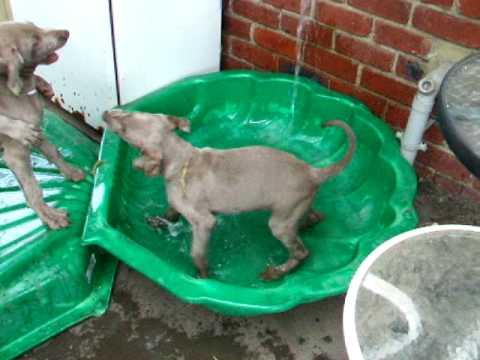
180 123
11 58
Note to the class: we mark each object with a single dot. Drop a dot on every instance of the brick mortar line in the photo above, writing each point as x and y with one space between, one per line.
228 46
441 148
370 39
456 6
313 8
395 63
253 26
233 56
412 13
385 111
331 50
358 87
319 72
458 14
330 77
244 18
370 42
409 25
293 38
390 74
453 11
361 66
359 76
270 7
464 184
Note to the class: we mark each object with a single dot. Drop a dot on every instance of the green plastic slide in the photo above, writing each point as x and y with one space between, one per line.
371 201
48 280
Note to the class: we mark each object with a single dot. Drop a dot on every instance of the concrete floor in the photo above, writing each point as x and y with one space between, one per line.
144 322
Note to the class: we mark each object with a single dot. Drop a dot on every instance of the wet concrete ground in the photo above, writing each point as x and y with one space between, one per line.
144 322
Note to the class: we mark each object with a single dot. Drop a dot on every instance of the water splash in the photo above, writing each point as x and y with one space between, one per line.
305 7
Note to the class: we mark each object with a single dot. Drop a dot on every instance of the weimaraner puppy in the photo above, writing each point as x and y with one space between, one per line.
22 47
203 182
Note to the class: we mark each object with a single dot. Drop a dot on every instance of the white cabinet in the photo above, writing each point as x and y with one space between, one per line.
159 41
149 44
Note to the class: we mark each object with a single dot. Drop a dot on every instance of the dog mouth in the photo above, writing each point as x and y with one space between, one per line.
52 58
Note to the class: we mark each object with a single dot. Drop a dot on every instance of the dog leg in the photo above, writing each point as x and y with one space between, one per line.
202 226
53 155
17 158
25 133
170 216
313 218
285 229
202 222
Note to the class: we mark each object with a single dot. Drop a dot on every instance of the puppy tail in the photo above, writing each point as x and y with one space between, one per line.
323 174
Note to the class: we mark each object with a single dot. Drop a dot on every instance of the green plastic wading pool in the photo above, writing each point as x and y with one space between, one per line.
368 203
48 280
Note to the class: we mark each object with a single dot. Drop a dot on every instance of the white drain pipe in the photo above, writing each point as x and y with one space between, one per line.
422 106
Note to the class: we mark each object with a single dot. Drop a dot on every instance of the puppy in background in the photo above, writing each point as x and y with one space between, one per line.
23 46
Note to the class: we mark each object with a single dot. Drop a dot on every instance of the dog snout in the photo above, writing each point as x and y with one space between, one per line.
106 117
113 119
62 36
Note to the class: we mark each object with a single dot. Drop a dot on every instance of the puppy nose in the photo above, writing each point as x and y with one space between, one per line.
106 116
63 35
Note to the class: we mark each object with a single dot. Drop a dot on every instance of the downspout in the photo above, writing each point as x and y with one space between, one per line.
428 89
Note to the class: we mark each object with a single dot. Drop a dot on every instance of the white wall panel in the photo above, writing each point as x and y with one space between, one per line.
160 41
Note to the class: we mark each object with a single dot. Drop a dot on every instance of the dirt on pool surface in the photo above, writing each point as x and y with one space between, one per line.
145 322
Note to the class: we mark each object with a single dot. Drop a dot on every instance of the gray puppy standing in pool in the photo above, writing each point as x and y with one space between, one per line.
24 45
203 182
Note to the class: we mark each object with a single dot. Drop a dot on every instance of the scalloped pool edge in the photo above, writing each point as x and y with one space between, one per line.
99 232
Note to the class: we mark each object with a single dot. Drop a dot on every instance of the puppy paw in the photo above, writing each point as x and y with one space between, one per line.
203 273
25 133
271 274
157 222
202 267
54 218
73 174
149 166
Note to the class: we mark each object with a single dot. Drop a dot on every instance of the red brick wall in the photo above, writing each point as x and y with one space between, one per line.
370 49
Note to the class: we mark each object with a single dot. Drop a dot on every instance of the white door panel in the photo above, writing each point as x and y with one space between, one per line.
160 41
